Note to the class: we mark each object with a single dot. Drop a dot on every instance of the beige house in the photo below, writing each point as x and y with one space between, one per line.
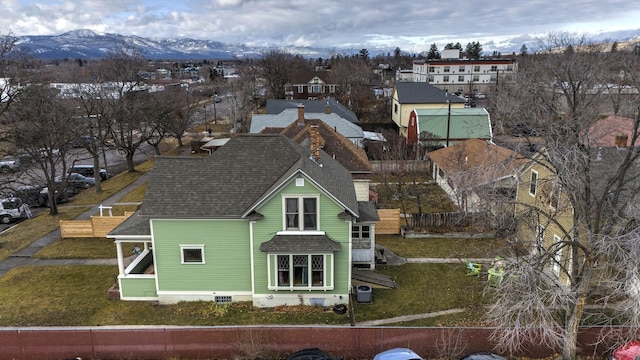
408 96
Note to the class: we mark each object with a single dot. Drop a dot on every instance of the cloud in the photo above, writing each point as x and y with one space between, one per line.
410 25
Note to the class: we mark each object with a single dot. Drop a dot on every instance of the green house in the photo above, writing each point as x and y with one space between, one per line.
262 219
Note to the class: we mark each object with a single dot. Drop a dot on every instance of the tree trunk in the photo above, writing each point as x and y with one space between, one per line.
96 172
130 166
569 349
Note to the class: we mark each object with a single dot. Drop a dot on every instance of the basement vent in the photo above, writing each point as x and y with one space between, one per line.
223 299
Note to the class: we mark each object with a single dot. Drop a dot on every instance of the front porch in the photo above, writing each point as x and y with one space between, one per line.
137 280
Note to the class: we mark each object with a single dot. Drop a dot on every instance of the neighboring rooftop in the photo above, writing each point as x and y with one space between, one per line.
276 106
424 93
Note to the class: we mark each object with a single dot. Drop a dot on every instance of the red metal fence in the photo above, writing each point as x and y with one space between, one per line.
248 342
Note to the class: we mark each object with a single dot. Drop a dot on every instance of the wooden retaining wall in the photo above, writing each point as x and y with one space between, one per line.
96 226
250 342
389 222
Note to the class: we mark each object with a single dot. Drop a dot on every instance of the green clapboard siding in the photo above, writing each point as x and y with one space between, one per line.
226 254
336 229
139 288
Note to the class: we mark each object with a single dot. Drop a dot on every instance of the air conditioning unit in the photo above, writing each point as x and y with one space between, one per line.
364 294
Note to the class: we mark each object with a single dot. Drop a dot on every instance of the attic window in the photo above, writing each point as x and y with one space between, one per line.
299 182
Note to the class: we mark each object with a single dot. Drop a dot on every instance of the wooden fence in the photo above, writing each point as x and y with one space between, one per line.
96 226
389 221
439 220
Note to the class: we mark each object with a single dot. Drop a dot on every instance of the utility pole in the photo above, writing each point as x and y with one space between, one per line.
448 120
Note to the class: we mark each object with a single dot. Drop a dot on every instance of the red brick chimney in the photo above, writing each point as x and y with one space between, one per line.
300 119
314 132
621 140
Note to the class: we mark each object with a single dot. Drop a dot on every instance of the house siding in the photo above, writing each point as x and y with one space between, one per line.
226 245
337 229
556 221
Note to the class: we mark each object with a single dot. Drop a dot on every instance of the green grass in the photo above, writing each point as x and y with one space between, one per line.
76 295
423 288
442 247
79 248
431 198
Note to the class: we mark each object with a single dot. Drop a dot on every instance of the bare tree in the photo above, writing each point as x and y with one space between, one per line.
43 126
275 68
587 272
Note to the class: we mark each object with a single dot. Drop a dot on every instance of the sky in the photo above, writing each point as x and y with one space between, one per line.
408 24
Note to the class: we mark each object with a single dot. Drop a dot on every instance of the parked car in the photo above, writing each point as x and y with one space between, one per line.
480 96
628 351
310 354
9 163
76 181
34 195
87 170
483 355
397 354
83 141
12 209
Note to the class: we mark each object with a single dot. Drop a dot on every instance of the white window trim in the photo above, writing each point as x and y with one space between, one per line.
557 257
272 263
536 183
191 247
301 213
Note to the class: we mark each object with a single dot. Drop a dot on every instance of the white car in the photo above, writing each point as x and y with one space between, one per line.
480 96
397 354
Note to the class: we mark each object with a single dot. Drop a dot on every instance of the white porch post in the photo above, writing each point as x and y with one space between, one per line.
120 258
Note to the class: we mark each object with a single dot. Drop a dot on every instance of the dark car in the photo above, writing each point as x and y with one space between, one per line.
310 354
76 182
83 141
34 195
87 170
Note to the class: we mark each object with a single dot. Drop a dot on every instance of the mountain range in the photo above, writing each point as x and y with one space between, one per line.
87 44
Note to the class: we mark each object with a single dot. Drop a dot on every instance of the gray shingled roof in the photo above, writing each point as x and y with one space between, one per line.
294 243
368 211
234 180
423 93
276 106
261 121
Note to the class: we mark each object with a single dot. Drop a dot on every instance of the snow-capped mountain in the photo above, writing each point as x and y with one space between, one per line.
87 44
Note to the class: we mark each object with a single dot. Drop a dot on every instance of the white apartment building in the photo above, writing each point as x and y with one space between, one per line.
463 75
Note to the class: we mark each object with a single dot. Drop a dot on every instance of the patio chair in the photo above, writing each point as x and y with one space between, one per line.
473 269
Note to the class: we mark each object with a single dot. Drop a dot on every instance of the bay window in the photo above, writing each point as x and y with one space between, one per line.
300 271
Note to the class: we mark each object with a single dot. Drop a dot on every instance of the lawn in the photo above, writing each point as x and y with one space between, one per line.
76 295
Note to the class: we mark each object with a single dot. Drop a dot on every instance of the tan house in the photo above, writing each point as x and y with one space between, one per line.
408 96
477 174
543 212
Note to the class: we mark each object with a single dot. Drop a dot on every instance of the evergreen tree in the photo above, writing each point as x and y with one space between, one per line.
433 53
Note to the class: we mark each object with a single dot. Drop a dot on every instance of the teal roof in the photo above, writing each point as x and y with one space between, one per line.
464 123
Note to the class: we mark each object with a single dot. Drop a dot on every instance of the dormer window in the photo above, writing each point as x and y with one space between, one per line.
301 213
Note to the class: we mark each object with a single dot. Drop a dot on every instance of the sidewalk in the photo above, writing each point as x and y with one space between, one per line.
25 257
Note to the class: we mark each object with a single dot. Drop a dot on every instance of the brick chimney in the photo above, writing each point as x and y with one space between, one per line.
314 132
300 119
621 140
